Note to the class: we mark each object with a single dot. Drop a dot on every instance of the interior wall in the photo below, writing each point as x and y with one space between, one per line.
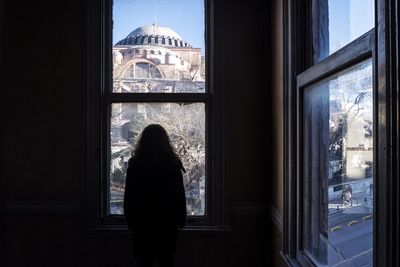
278 129
43 129
250 98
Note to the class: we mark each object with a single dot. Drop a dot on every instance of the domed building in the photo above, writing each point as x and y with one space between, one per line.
156 59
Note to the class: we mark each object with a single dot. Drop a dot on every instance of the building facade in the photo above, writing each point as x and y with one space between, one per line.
156 59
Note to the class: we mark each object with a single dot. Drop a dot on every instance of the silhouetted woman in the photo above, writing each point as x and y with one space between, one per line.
154 201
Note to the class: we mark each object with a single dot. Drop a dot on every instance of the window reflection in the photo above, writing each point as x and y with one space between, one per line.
337 168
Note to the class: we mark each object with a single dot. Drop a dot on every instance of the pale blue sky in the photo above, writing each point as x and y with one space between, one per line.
186 17
348 20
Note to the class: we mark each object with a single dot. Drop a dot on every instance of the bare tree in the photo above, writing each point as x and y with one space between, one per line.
185 124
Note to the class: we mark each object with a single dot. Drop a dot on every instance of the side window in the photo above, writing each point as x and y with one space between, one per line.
331 136
336 163
336 136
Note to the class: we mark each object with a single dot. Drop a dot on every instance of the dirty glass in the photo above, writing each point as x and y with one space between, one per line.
337 168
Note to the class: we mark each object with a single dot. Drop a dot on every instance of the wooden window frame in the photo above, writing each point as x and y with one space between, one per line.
99 95
382 44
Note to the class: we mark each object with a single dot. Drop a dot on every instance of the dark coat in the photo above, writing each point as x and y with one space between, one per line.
154 205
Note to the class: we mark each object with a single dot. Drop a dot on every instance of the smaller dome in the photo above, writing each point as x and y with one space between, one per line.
154 30
117 57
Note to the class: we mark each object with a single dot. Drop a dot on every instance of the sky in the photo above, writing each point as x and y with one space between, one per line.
348 20
185 17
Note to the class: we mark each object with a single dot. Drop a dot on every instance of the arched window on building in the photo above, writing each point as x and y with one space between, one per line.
130 72
145 71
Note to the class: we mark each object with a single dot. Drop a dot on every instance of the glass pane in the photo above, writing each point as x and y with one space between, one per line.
185 124
158 46
338 22
337 167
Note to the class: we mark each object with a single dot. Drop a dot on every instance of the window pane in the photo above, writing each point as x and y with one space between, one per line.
338 22
337 168
158 46
185 124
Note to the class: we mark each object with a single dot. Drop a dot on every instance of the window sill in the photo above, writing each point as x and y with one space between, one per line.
290 261
187 231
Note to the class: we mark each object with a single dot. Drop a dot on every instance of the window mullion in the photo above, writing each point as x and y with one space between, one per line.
157 97
352 53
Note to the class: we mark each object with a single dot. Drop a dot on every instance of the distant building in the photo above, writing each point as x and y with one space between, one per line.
156 59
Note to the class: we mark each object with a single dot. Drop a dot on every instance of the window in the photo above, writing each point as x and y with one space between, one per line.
138 83
337 200
183 116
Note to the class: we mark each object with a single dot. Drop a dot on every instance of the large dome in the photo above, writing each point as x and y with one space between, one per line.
154 35
154 30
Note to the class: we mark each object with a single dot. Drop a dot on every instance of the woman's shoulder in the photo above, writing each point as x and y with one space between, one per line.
170 162
180 165
156 162
177 164
132 162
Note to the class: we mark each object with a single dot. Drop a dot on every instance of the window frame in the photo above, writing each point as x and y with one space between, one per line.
299 70
98 63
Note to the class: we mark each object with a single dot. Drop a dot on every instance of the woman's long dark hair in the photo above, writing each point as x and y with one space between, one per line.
153 143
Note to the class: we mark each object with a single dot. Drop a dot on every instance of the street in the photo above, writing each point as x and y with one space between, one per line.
350 232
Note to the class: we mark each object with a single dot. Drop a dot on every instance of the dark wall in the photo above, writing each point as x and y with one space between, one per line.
43 183
277 79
